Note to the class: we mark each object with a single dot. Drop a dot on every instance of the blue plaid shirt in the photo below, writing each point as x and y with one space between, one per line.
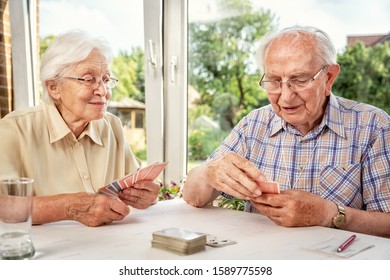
345 159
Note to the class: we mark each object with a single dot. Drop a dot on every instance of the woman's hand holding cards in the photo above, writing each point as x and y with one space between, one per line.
141 195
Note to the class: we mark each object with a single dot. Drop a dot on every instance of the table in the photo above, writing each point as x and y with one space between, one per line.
257 237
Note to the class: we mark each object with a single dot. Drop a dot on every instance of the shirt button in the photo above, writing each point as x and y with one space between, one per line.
85 177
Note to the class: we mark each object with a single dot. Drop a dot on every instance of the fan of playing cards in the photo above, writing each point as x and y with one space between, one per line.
148 173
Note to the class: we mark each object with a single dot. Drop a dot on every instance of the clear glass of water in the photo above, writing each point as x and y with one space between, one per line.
15 219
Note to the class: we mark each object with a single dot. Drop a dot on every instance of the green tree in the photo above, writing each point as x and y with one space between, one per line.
44 43
129 69
365 75
221 60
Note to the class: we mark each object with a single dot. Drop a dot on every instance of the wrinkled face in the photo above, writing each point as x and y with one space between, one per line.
286 59
79 102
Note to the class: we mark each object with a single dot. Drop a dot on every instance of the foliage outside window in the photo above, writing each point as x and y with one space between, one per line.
365 75
223 72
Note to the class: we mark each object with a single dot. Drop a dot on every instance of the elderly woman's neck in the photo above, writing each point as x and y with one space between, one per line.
77 126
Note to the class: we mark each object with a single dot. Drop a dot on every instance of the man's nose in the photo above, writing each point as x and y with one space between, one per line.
286 93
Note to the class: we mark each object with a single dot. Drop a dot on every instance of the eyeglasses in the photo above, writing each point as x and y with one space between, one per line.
295 84
94 82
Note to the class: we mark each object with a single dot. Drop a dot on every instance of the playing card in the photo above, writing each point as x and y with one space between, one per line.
135 177
148 173
214 241
144 172
127 181
151 173
269 187
115 187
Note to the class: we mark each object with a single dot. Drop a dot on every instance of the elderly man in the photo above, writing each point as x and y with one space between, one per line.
330 155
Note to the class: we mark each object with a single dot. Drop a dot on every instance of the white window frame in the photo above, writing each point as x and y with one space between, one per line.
24 53
166 85
154 99
175 87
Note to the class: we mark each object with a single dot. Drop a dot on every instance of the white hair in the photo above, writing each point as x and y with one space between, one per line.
68 49
324 48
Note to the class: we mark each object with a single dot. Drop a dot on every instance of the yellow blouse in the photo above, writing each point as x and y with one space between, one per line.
37 143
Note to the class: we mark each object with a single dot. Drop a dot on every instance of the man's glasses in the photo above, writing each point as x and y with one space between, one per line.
94 82
295 84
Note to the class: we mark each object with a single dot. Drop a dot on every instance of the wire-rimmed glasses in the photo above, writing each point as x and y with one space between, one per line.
296 84
94 82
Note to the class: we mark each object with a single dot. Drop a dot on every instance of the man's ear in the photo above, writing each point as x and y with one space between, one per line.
53 89
333 72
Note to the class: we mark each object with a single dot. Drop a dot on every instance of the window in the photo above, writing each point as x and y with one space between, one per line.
182 88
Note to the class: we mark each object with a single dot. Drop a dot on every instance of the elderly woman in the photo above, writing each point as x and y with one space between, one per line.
70 145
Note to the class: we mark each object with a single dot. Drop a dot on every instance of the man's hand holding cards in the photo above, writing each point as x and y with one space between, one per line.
149 173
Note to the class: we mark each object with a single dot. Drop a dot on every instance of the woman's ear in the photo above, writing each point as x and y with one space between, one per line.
53 89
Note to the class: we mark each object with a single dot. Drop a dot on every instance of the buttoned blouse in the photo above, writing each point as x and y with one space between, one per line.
37 143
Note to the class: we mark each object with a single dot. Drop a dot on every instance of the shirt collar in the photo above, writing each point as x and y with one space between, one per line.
332 119
277 125
58 129
92 130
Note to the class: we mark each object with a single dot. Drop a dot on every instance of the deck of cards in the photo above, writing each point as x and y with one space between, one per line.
149 173
179 240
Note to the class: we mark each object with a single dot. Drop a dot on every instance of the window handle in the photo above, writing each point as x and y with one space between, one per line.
173 68
152 57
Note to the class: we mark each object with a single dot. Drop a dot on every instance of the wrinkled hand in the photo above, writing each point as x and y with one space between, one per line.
293 208
95 209
141 195
234 175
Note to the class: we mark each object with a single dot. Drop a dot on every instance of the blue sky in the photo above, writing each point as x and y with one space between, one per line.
116 18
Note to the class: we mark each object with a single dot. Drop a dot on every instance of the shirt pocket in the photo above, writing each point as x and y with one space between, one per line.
342 184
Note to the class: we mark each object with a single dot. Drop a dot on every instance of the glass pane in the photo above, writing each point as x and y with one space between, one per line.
223 77
222 85
121 23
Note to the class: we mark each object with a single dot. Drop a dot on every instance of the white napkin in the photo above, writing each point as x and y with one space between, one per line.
330 247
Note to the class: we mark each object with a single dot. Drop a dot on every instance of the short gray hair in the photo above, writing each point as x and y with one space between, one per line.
325 48
68 49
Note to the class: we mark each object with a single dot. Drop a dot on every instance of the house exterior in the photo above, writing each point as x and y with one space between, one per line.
368 40
132 114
